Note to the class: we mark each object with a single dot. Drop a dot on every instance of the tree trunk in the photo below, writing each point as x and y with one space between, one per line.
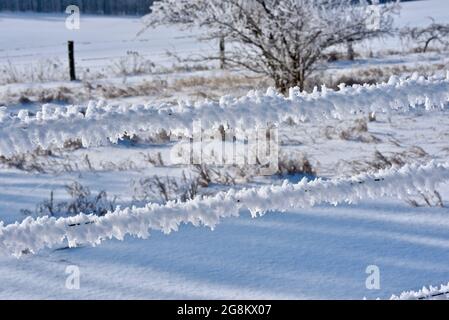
426 46
351 53
302 83
302 80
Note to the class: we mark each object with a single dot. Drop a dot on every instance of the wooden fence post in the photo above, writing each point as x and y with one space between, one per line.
72 61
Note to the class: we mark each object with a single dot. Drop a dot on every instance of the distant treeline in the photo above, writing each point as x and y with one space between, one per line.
110 7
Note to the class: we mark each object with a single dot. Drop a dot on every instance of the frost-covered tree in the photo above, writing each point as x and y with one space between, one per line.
283 39
188 14
424 36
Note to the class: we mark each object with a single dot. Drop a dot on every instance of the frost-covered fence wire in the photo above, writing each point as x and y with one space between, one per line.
97 123
32 235
431 293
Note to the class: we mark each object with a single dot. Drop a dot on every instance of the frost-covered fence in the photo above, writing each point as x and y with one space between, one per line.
431 293
98 123
71 51
32 235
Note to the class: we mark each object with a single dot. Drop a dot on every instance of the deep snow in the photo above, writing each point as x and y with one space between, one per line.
319 253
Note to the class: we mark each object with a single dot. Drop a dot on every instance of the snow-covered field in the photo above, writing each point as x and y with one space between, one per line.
377 193
99 39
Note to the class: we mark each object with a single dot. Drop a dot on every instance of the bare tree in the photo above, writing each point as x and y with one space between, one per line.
283 39
187 14
424 36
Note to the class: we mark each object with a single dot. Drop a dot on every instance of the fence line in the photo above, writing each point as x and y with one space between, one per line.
32 235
